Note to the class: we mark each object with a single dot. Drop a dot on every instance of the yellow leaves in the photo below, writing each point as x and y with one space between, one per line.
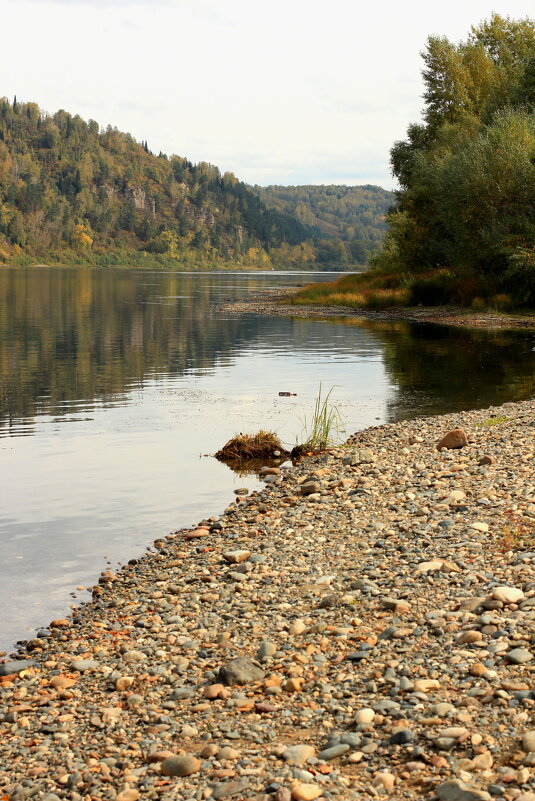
293 254
82 236
256 256
170 240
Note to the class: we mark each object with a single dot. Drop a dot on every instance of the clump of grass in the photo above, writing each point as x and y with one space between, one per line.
377 289
496 303
250 446
478 304
324 428
494 421
502 302
518 534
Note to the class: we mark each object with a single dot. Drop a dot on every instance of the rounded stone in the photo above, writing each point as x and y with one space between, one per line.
298 754
306 792
240 671
183 765
364 716
528 742
508 595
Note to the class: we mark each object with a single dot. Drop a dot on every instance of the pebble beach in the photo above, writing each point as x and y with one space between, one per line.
362 628
277 302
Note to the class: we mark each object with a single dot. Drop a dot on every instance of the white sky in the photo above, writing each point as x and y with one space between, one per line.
278 91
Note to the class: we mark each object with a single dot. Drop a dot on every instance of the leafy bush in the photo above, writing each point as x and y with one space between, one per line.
467 205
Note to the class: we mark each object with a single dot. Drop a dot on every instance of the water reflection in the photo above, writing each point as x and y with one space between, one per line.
114 383
74 334
437 369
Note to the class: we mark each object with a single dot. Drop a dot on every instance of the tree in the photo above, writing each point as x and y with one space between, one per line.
467 173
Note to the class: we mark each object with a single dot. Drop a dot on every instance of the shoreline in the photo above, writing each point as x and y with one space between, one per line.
271 302
383 656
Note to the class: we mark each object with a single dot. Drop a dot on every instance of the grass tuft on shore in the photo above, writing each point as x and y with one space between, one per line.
324 427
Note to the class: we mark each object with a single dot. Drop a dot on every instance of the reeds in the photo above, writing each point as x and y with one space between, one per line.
325 426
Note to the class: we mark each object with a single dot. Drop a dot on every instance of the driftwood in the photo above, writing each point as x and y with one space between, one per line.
251 446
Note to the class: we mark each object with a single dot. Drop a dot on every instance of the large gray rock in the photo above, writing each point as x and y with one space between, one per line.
362 456
183 765
7 668
298 754
334 751
240 671
519 656
309 487
456 790
83 665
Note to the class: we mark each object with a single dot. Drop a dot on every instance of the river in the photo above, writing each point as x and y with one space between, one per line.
115 384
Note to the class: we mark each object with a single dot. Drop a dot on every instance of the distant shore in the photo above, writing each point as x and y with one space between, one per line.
278 302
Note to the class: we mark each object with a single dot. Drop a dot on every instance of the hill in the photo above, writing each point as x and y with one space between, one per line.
73 192
349 221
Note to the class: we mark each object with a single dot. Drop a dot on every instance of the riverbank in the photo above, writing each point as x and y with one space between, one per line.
276 302
382 614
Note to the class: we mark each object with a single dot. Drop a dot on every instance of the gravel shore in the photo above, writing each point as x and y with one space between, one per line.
362 628
272 302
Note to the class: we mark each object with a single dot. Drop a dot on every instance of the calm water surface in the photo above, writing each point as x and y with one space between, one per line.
115 383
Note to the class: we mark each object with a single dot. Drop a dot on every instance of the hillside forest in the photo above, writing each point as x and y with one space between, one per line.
71 192
351 218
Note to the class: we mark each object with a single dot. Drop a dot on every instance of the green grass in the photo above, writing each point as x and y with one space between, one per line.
494 421
362 290
378 289
325 427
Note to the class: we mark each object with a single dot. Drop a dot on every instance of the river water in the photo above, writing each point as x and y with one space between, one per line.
116 383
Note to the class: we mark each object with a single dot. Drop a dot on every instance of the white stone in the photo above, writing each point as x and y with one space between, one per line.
424 685
508 595
426 567
297 627
528 742
364 716
454 497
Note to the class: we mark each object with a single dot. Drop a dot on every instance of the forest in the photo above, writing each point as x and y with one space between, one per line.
350 219
74 193
463 226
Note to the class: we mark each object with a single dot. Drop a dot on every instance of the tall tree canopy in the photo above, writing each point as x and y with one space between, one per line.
465 215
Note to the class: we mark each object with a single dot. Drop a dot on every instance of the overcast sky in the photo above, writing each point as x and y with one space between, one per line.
277 91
